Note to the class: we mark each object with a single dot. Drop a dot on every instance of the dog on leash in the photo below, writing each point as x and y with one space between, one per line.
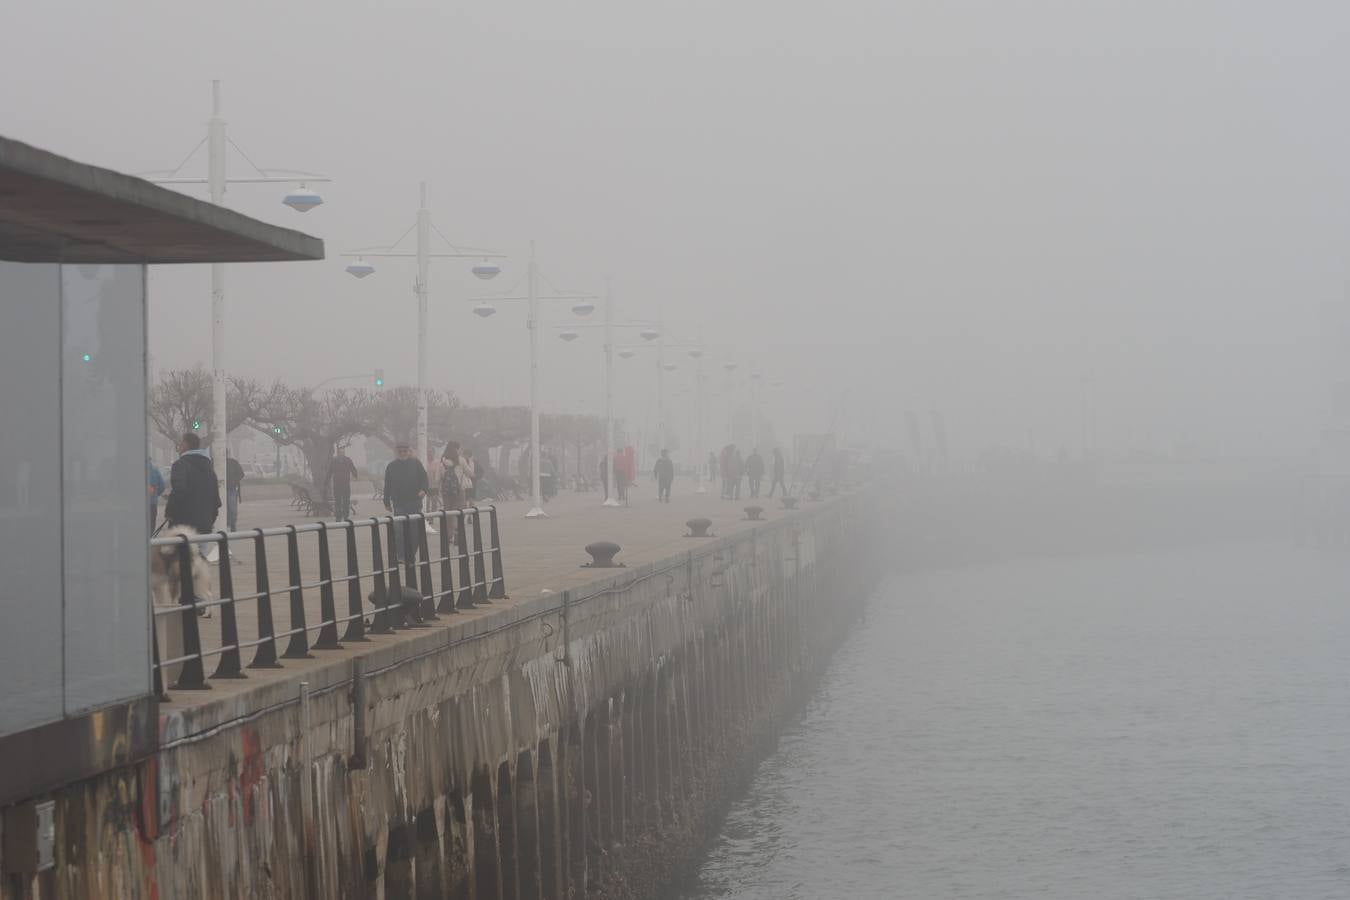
166 574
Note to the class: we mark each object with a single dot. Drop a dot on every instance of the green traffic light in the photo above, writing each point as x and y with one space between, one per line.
196 425
86 357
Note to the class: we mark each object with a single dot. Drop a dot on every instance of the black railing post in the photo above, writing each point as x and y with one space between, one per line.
229 665
410 547
447 599
356 622
266 655
480 587
398 619
192 677
382 622
498 591
328 639
298 646
424 575
157 673
465 600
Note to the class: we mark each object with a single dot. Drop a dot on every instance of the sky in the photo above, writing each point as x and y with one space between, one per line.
1028 214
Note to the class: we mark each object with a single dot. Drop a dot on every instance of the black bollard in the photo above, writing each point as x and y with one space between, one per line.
602 555
754 513
789 503
699 528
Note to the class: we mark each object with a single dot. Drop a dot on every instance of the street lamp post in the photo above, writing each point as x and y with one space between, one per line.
695 351
569 334
699 449
730 369
583 306
300 199
485 269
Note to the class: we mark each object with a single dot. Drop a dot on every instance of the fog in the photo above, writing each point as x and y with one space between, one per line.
1047 219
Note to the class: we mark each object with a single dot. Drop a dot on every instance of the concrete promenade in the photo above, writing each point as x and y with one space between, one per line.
539 556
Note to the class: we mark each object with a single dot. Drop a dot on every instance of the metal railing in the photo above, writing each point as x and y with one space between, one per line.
406 589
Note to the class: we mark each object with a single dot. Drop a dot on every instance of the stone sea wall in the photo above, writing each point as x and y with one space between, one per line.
574 745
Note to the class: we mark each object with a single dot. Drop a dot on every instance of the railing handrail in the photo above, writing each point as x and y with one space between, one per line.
212 537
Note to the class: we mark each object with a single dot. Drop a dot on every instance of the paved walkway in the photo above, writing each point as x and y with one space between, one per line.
539 555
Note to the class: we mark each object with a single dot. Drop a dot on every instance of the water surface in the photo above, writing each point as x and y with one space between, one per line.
1173 725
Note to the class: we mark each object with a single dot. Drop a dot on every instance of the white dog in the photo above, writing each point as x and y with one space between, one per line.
166 589
166 577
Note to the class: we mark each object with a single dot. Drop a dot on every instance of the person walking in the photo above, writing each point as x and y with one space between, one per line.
754 471
737 470
452 489
154 486
234 479
194 492
468 476
713 467
452 492
779 469
405 484
664 473
435 469
341 474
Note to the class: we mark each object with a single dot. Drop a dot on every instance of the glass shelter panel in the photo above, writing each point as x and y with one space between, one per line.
105 522
30 495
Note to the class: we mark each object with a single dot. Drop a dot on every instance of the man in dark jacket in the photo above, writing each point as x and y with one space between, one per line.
664 472
405 484
779 469
754 471
194 493
341 474
234 479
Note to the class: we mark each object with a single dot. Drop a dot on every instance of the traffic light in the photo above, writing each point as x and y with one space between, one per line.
196 424
379 377
277 429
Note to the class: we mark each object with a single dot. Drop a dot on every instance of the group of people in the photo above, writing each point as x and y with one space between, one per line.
733 467
446 482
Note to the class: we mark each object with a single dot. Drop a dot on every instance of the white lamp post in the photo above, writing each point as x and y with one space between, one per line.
485 309
569 334
300 199
485 269
730 369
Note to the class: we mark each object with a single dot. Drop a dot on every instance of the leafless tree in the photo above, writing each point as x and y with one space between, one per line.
316 425
395 413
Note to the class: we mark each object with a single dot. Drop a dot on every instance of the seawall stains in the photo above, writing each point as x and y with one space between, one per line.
587 759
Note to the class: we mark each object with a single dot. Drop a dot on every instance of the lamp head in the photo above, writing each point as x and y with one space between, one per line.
302 199
360 269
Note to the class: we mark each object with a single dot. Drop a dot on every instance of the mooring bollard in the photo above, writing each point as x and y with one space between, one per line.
789 503
699 528
602 555
753 513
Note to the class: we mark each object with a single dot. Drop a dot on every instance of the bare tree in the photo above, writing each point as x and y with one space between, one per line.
490 426
396 415
293 416
179 398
